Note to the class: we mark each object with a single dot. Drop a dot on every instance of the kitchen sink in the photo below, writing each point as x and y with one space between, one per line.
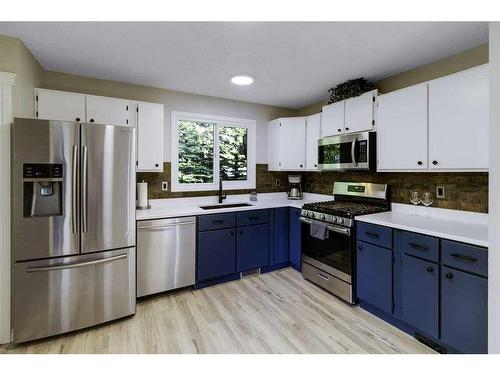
229 205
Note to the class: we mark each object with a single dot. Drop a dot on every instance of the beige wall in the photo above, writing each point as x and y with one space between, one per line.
449 65
16 58
174 101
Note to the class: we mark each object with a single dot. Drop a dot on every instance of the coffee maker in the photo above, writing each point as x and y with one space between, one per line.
294 187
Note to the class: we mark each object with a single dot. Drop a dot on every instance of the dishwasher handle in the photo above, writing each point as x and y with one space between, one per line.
166 223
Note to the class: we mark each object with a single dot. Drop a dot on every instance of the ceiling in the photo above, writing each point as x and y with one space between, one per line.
293 63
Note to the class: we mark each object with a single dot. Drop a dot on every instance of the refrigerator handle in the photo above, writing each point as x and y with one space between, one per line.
76 265
84 189
74 191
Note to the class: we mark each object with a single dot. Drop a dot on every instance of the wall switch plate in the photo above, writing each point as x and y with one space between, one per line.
440 192
164 186
277 183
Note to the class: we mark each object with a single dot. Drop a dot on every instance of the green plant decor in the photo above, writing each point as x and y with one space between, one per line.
350 89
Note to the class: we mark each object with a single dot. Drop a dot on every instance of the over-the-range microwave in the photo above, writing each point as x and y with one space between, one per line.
355 151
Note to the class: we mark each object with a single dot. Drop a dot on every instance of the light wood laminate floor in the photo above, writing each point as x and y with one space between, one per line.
277 312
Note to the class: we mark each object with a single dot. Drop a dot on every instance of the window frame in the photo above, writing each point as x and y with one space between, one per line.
219 121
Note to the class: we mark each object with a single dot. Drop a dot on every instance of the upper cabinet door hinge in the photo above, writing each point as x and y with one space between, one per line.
373 122
36 114
137 109
127 108
127 121
36 98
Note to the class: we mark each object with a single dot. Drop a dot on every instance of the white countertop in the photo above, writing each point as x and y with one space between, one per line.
461 226
176 207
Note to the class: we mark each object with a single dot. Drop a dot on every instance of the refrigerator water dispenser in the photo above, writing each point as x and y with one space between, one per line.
42 190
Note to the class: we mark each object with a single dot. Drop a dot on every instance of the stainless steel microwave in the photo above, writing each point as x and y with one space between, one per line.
345 152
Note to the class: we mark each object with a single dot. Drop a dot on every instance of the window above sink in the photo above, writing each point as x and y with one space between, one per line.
206 148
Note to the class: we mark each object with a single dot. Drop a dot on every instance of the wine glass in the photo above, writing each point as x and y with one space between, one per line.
427 201
415 199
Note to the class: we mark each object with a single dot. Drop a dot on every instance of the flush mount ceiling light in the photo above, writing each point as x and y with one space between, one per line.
242 80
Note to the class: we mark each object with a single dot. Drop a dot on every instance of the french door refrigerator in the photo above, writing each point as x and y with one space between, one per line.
73 226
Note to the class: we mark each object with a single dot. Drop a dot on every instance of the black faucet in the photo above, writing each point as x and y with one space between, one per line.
222 196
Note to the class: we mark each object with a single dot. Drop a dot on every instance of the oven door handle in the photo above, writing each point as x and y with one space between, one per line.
353 151
331 228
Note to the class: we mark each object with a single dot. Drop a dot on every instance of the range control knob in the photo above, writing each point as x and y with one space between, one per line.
310 214
340 220
322 217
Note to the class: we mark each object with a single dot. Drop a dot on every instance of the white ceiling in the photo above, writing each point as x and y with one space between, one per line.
293 63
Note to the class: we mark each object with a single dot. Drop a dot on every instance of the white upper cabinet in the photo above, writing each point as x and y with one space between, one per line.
349 116
313 124
332 122
150 125
286 144
59 105
402 129
146 117
104 110
359 113
459 121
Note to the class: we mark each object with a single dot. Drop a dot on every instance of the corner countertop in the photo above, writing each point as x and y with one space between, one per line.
461 226
177 207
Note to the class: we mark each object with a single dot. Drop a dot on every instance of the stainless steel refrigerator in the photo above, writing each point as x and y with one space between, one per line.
73 226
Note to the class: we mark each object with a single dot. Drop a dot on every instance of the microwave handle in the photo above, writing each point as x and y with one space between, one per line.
353 151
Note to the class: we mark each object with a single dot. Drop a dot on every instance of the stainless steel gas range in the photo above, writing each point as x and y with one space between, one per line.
329 235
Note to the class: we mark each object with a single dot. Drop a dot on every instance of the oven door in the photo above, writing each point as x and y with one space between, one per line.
344 152
333 254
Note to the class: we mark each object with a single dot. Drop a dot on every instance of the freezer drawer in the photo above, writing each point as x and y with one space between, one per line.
64 294
165 254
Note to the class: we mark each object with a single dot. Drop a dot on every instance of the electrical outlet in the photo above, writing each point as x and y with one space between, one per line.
277 183
164 186
440 192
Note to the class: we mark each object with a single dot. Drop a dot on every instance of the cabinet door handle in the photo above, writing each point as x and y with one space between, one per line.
231 233
435 162
77 119
157 165
418 246
339 130
240 231
301 166
464 258
360 247
372 235
419 162
430 269
91 120
449 275
346 128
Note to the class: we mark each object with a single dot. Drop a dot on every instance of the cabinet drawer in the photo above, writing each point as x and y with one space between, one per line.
375 234
465 257
216 221
252 217
420 245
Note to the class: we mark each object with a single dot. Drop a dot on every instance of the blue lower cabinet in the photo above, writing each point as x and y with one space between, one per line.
252 247
374 276
464 311
419 295
280 232
295 256
216 253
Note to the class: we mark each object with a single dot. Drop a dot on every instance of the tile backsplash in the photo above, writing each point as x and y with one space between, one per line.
464 191
265 181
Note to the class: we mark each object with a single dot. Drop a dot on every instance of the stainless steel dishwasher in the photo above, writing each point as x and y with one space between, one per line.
165 254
